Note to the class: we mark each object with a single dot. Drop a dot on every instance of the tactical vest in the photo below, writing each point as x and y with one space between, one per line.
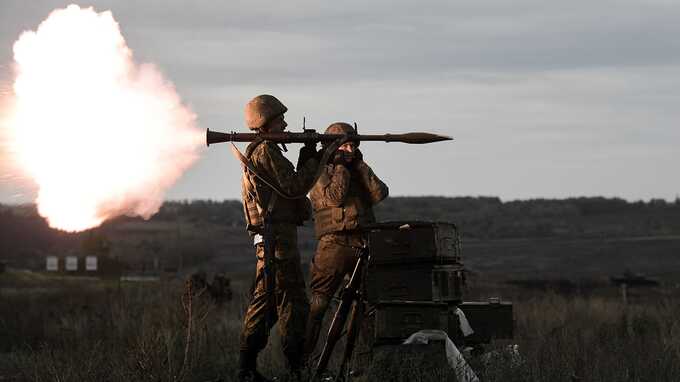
259 199
254 214
354 213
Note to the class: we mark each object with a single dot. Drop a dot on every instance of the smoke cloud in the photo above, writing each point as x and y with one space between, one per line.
99 135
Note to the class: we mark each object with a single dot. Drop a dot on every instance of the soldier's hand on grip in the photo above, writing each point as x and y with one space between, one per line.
352 158
307 152
339 158
358 156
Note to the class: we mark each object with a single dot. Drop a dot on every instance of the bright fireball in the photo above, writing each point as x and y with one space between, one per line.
100 135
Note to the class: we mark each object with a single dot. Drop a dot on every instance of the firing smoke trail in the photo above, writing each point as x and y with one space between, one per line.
99 134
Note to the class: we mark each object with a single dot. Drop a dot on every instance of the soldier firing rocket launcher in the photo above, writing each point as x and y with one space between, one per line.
274 193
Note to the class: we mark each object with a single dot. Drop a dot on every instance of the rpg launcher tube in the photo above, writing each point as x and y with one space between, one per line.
309 136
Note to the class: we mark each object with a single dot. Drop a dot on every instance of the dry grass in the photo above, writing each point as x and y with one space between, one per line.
51 330
592 339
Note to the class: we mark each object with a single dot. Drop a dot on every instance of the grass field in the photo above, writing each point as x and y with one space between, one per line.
56 329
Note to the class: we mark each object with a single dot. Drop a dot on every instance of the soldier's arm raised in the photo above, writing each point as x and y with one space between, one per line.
331 189
377 189
282 172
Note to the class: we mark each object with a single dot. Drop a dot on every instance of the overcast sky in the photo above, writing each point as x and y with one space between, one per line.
544 98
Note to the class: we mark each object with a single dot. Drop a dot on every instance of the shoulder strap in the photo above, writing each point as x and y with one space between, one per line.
252 146
248 166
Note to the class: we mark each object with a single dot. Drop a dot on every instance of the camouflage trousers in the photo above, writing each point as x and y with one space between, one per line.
292 306
335 258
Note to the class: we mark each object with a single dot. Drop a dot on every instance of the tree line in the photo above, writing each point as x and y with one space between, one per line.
477 217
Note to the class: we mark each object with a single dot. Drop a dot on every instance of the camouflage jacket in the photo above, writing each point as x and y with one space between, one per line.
269 162
342 199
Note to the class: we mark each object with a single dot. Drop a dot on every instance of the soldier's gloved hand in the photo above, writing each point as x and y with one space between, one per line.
339 158
311 144
353 159
319 155
307 152
358 156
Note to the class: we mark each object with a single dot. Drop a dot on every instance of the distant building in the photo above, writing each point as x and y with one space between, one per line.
71 263
91 263
99 266
52 264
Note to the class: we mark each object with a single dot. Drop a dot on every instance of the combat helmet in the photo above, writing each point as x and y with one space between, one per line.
263 109
340 128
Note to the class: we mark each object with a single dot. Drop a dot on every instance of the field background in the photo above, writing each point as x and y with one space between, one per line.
552 258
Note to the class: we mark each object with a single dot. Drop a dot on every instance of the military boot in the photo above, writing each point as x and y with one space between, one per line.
251 376
290 376
247 365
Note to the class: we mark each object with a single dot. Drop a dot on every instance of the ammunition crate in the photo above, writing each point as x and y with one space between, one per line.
415 282
489 320
414 242
396 320
448 282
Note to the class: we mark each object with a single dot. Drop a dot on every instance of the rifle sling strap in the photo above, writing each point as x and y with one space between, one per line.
248 165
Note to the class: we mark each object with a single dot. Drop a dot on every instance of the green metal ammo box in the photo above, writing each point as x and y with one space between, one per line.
415 282
448 282
414 242
396 320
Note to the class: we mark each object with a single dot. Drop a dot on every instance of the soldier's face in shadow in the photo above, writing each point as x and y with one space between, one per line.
276 125
348 149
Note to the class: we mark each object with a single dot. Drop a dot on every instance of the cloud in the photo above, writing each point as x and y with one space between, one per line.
532 90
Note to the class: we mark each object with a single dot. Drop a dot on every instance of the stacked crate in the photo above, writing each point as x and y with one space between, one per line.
415 281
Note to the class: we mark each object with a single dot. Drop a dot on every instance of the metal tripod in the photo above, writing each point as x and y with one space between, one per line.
352 306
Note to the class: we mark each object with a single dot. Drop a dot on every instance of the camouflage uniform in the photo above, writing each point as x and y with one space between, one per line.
342 200
292 304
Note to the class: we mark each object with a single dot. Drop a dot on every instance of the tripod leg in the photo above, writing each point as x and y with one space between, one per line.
350 295
334 334
353 329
